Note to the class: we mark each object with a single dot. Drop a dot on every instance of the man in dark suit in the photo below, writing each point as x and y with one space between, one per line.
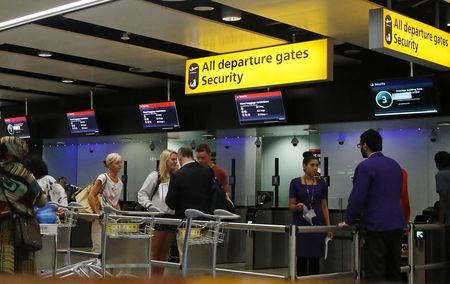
190 186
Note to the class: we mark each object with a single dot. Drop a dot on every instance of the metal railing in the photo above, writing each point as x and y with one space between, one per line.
292 231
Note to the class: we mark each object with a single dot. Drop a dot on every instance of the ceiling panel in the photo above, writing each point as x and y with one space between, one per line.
75 44
348 21
162 23
27 83
11 9
22 96
62 69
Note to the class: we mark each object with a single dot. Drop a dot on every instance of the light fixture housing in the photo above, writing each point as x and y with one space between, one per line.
125 36
152 146
294 141
203 8
231 14
193 145
447 16
67 80
44 53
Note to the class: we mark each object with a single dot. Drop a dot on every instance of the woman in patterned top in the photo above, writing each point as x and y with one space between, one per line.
19 189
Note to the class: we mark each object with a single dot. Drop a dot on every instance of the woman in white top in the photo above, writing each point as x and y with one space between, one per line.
156 185
110 186
54 191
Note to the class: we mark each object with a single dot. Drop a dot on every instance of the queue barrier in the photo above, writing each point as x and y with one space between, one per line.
291 230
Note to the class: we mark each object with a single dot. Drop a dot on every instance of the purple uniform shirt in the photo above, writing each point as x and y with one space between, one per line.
375 197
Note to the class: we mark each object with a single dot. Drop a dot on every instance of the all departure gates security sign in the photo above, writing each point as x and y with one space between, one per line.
272 66
408 39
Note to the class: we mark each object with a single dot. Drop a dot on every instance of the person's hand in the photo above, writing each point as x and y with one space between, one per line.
299 206
330 235
343 225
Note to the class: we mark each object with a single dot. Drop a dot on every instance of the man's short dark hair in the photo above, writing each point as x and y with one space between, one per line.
61 178
442 160
372 139
186 152
203 148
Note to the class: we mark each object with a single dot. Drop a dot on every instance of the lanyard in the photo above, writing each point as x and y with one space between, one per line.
311 198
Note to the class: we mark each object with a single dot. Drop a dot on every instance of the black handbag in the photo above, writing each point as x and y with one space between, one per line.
26 230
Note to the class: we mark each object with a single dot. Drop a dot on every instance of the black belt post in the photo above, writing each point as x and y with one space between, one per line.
276 182
232 180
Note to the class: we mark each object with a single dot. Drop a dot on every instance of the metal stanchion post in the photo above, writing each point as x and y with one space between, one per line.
292 250
356 266
411 253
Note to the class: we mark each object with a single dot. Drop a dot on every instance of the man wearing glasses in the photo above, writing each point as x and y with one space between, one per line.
375 199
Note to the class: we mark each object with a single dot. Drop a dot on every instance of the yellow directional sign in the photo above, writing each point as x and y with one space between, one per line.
273 66
406 38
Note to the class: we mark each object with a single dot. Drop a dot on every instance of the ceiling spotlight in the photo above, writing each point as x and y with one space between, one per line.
258 142
231 15
44 53
294 141
311 129
193 145
203 8
67 81
125 36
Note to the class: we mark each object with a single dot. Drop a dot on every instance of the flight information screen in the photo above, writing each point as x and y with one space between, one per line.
260 107
17 126
161 115
83 122
414 95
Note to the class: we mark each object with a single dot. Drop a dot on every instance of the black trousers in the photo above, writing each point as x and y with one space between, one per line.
382 255
307 266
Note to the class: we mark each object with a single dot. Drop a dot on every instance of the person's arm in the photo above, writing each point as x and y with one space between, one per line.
293 204
326 215
361 185
93 197
442 206
146 190
59 194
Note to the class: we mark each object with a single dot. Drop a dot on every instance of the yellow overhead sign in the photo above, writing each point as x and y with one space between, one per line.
266 67
405 38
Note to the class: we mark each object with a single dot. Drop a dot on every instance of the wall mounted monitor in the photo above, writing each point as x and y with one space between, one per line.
263 107
17 126
83 122
161 115
404 96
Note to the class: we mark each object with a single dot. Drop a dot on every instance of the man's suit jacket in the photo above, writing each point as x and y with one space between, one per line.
190 188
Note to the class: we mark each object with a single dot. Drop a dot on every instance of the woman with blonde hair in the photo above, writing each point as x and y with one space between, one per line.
153 193
110 187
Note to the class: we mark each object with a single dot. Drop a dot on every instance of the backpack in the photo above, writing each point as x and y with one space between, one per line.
219 198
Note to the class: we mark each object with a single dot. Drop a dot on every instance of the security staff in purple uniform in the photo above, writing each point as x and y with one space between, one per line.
375 199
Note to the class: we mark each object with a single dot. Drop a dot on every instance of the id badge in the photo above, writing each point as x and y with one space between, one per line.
311 214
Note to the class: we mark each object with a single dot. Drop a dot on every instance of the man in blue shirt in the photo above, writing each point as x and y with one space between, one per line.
375 199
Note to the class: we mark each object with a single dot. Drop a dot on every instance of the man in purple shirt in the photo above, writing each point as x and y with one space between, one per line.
375 199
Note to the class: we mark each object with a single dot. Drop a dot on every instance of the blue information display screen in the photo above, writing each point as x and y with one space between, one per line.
260 107
159 115
17 126
83 122
413 95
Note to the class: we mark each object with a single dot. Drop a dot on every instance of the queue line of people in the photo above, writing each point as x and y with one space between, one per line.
374 201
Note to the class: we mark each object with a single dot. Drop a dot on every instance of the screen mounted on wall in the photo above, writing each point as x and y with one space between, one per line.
83 122
264 107
17 126
161 115
404 96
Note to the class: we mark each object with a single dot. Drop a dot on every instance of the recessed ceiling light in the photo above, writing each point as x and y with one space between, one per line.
44 53
231 15
203 8
173 0
125 36
443 123
67 81
100 86
60 143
